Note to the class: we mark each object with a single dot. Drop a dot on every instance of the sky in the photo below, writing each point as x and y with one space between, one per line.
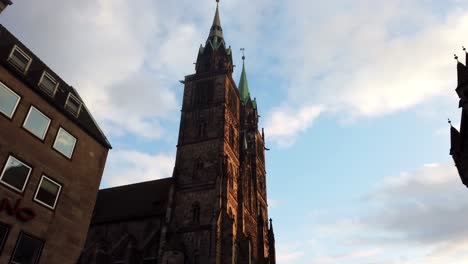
354 96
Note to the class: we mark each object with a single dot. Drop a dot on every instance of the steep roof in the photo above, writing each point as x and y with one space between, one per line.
84 120
244 85
132 201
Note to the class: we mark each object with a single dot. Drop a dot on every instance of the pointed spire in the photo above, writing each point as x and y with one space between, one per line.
466 55
243 84
216 30
271 224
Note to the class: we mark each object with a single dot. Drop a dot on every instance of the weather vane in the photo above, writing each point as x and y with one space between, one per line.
243 52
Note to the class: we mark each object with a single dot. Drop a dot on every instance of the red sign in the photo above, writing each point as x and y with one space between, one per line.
22 213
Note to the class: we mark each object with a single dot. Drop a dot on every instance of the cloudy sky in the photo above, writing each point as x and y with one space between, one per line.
354 96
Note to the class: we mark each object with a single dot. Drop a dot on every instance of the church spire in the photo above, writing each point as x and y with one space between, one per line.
243 84
216 29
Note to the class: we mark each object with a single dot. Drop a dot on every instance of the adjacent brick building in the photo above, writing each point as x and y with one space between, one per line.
214 208
52 156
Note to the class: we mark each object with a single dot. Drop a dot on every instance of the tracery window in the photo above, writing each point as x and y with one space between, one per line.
196 213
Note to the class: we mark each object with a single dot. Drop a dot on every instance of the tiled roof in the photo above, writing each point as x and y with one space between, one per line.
132 201
84 120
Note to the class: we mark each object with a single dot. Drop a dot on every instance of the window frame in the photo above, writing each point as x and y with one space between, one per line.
74 145
56 198
17 102
19 50
22 233
45 74
25 181
40 112
70 95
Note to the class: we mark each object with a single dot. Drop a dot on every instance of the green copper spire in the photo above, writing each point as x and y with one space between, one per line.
216 29
243 84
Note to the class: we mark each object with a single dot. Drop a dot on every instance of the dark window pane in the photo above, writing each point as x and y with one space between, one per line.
3 235
48 192
27 251
15 174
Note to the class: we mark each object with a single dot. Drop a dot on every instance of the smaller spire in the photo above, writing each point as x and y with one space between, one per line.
243 84
455 57
271 224
450 122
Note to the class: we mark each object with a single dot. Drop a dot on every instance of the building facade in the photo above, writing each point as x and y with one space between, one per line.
52 156
214 208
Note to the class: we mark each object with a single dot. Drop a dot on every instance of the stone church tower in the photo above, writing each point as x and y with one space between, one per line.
219 209
214 208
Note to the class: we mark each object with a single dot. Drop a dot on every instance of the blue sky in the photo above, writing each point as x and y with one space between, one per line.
354 97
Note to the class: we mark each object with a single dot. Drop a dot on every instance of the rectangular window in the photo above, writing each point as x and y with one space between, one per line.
19 59
15 174
27 250
36 122
47 192
4 230
8 101
73 105
48 83
65 143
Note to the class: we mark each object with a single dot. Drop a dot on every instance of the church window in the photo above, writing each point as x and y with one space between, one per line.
204 92
196 213
196 258
202 129
198 167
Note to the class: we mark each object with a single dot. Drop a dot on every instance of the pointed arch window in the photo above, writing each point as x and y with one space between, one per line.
198 167
202 129
196 213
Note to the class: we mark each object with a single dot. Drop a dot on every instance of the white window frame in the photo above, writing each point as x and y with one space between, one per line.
25 181
74 145
77 100
48 124
56 198
17 102
45 74
16 48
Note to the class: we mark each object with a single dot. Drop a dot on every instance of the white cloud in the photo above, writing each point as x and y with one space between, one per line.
126 167
284 124
366 58
418 216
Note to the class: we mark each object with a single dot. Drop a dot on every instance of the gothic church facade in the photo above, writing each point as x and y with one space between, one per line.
214 208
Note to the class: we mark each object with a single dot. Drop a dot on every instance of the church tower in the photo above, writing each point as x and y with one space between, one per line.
217 212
